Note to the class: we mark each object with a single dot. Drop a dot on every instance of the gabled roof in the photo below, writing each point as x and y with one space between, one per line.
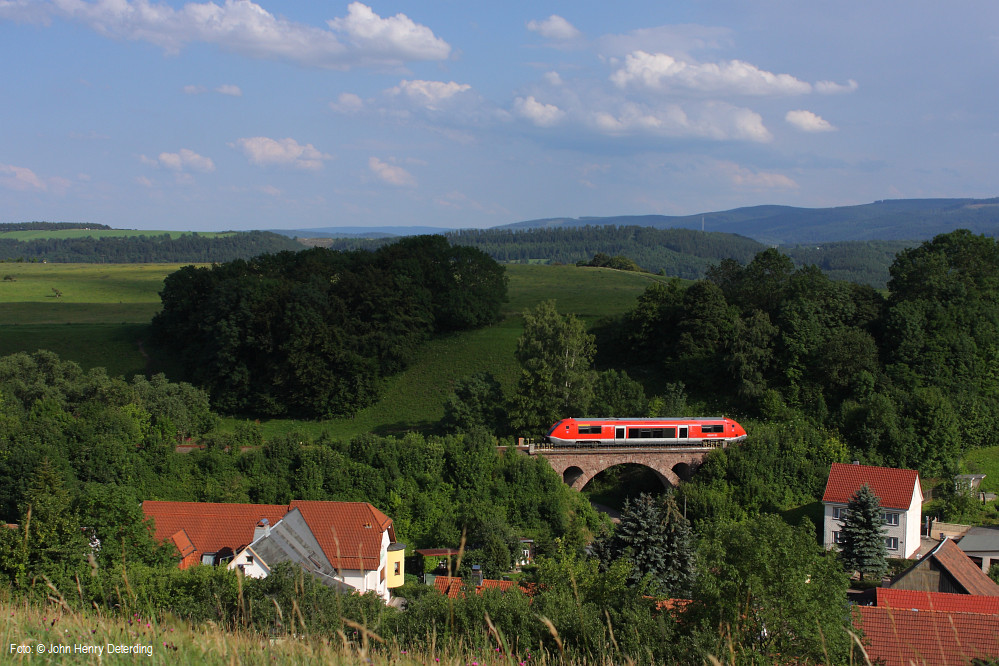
896 637
936 601
894 487
350 533
949 557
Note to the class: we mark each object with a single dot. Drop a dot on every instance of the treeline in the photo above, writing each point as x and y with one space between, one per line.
48 226
163 248
313 333
908 380
683 253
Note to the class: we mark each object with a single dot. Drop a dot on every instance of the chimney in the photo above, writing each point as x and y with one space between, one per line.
856 462
263 528
477 575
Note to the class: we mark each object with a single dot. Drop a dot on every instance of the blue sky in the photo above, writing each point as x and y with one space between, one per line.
233 114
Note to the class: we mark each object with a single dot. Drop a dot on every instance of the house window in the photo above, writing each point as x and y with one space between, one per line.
839 512
397 571
837 537
891 543
890 517
249 559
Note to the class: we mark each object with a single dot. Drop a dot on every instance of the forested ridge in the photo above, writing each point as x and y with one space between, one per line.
161 248
684 253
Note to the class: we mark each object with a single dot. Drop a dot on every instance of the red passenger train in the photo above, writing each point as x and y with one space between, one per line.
642 432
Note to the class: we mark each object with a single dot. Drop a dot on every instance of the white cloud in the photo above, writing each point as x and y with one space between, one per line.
715 120
662 72
554 27
553 79
194 90
394 39
263 151
142 180
347 103
27 11
542 115
229 89
183 160
391 174
832 88
807 121
270 190
429 94
20 178
756 180
242 26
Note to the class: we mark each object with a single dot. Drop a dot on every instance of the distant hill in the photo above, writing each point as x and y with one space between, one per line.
899 219
91 245
360 232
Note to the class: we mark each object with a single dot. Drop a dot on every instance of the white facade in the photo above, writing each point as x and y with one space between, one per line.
901 525
250 562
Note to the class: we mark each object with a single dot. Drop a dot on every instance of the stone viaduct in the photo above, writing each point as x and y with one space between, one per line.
578 466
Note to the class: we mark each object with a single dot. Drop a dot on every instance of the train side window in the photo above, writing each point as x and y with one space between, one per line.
669 433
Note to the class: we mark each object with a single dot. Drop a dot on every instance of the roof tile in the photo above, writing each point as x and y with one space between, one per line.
896 637
894 487
936 601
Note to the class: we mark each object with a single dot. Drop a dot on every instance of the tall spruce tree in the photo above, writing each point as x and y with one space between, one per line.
656 538
863 541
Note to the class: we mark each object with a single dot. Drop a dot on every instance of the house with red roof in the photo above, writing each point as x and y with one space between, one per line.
344 543
901 503
903 637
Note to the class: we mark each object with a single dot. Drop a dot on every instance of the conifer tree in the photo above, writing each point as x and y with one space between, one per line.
863 542
656 538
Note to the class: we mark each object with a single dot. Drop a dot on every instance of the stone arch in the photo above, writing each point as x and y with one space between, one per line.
666 475
684 471
571 475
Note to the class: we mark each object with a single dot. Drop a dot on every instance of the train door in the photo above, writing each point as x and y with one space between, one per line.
681 432
619 434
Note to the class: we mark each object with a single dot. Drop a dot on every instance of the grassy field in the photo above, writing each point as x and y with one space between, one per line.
101 318
35 635
984 461
44 234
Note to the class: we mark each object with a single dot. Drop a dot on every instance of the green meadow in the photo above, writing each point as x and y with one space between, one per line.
98 316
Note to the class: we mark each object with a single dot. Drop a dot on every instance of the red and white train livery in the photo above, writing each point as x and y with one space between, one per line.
646 432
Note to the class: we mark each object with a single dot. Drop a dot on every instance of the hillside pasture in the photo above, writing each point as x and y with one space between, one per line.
102 317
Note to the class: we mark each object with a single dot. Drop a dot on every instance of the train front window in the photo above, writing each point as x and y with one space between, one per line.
552 431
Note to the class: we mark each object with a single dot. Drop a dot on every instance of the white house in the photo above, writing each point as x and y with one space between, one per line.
901 503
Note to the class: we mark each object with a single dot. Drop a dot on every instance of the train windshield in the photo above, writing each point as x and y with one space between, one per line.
553 428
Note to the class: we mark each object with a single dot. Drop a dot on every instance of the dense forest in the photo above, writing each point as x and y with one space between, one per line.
313 333
145 249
